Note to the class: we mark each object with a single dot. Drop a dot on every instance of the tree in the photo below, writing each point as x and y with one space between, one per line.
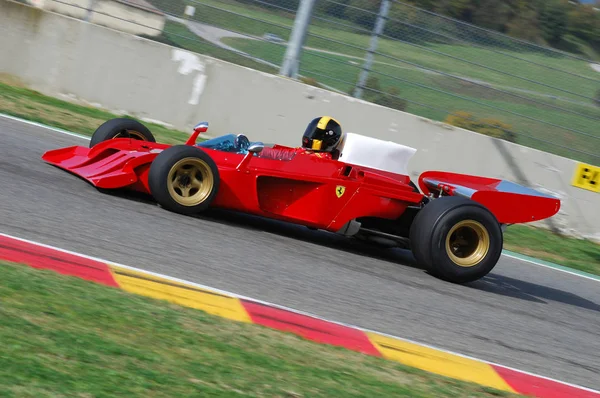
363 12
584 22
492 14
426 4
400 21
459 9
544 22
525 26
553 20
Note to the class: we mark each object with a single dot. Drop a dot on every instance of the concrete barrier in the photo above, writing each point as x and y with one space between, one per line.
136 17
68 58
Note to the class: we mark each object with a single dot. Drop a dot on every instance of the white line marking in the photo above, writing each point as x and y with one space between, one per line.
17 119
551 267
88 138
239 296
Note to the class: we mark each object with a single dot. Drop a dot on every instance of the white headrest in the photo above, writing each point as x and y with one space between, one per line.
378 154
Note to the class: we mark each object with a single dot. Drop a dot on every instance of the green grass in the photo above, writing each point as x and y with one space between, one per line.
355 42
580 254
62 336
351 44
22 102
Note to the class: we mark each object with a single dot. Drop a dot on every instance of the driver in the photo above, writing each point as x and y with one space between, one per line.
321 138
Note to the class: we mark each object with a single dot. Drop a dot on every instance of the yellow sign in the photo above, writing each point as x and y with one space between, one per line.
587 177
339 191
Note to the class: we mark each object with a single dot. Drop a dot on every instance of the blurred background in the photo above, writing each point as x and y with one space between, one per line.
523 71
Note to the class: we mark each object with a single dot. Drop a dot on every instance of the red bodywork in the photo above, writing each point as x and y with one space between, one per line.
511 203
303 188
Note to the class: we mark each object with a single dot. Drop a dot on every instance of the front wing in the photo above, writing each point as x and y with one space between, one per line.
110 164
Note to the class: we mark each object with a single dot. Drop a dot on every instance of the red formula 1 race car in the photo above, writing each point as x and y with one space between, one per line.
453 225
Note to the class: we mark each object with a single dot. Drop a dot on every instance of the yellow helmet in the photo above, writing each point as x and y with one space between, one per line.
322 134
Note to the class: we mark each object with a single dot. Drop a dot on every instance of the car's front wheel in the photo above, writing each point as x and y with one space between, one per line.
184 179
457 239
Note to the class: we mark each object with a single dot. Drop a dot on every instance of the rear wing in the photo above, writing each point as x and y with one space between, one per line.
511 203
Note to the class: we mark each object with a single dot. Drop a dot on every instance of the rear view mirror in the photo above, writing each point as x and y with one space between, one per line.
256 147
252 149
201 127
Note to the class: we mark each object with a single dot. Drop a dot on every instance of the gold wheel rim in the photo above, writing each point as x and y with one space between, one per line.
467 243
190 181
136 135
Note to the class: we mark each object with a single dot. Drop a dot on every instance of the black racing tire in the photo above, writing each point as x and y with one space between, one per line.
121 128
184 179
437 229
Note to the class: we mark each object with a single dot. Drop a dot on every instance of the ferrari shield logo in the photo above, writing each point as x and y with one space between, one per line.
339 190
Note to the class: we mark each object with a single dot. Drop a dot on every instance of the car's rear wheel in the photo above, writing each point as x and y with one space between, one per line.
121 128
184 179
457 239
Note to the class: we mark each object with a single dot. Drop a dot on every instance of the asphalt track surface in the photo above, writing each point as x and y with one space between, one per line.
522 315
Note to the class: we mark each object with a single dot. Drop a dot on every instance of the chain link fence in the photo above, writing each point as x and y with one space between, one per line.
397 55
444 69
